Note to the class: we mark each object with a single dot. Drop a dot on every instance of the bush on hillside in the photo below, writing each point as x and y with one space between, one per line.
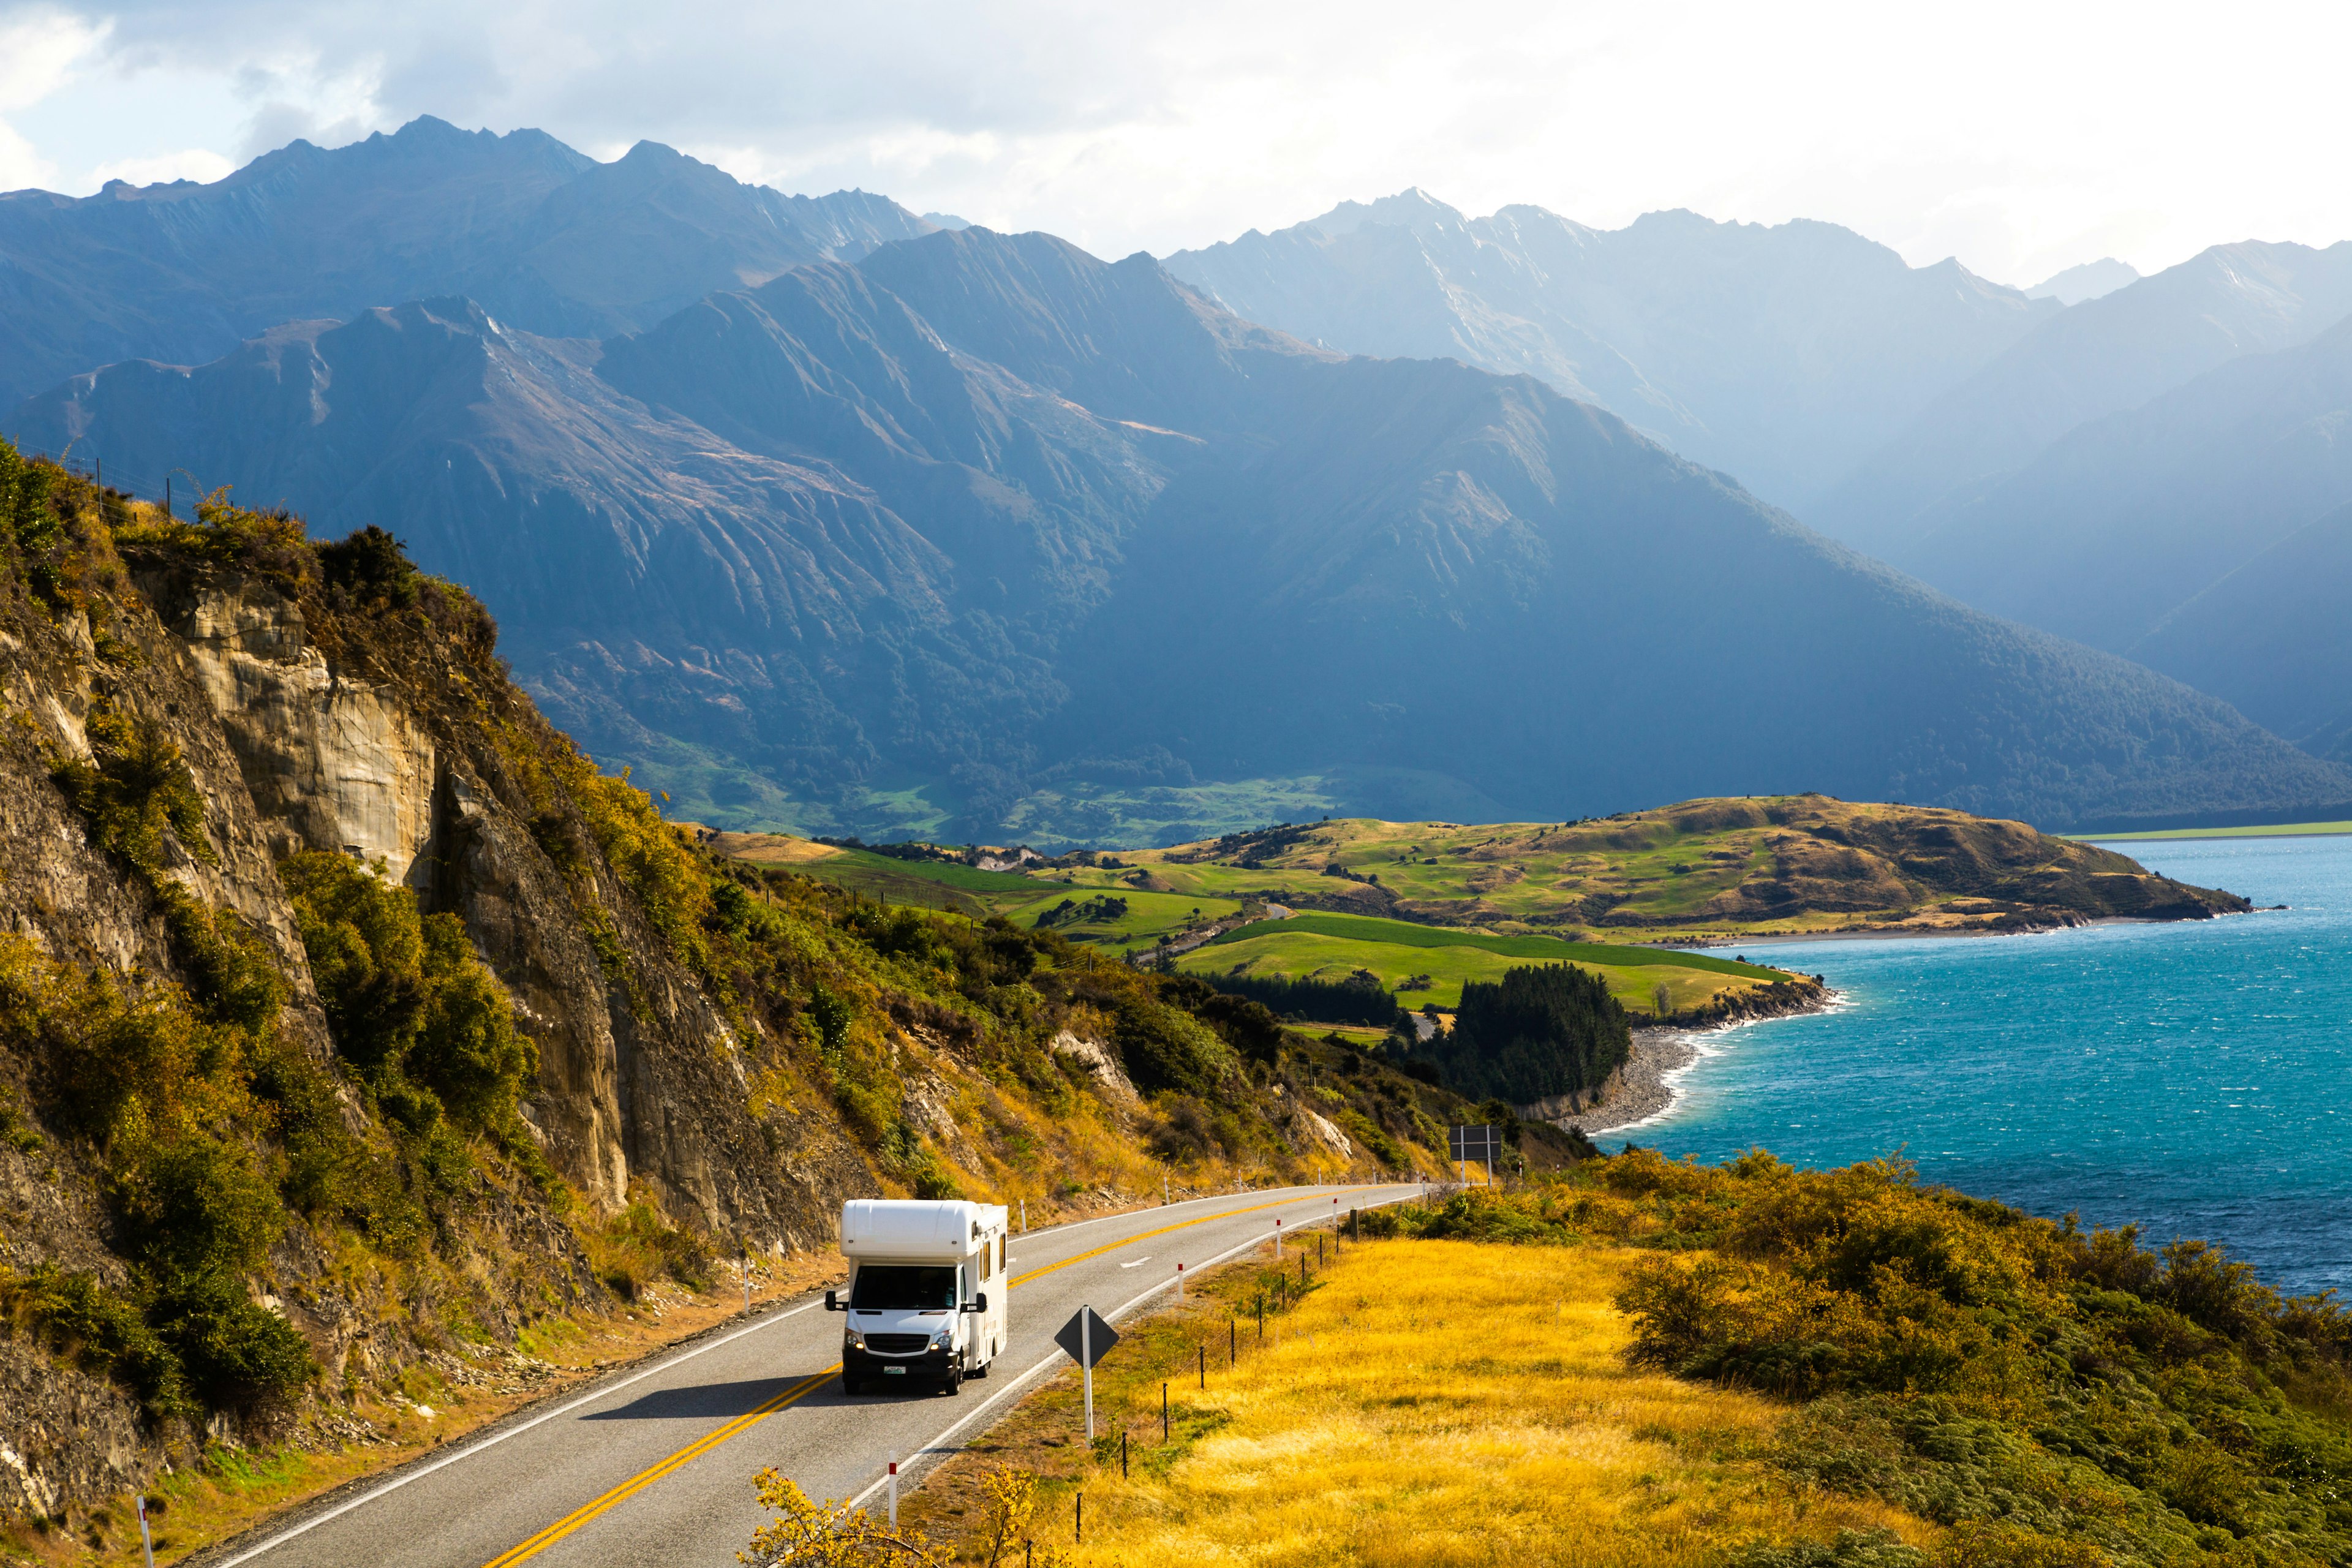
413 1008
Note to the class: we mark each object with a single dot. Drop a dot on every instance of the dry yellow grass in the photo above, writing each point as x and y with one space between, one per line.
1443 1402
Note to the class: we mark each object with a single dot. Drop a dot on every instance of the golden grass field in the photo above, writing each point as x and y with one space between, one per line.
1427 1404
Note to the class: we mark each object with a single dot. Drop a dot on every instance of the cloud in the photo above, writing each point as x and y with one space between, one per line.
39 49
2021 137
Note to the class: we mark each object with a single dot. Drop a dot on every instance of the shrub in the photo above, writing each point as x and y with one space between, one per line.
95 1328
371 567
135 790
1164 1048
411 1005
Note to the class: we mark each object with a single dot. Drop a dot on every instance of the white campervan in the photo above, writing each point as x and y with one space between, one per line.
928 1294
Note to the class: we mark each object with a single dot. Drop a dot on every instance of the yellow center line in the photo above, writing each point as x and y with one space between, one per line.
647 1477
589 1511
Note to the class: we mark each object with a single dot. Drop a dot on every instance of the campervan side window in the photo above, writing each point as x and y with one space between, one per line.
1000 1251
987 1255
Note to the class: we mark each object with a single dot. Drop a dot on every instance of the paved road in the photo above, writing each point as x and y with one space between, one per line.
653 1469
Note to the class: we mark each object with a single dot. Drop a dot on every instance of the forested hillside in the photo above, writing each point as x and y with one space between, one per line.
354 1027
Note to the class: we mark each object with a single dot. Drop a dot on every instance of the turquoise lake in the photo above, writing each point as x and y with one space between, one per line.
2192 1078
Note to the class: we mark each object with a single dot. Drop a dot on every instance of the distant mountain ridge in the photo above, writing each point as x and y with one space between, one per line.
1783 355
540 236
2204 518
2099 358
984 535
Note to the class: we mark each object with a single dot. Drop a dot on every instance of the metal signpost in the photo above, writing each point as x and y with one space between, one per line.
1475 1144
1086 1339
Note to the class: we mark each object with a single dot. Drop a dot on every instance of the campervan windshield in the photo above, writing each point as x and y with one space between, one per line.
903 1288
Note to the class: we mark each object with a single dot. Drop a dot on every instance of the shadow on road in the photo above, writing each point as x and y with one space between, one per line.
703 1402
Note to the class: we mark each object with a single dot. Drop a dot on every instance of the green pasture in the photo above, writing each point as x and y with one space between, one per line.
1288 949
1148 916
1544 949
933 884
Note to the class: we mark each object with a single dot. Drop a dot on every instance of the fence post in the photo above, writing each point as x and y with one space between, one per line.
1205 1366
1122 1453
1163 1414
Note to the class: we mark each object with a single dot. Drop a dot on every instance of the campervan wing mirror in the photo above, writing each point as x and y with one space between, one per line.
977 1303
831 1304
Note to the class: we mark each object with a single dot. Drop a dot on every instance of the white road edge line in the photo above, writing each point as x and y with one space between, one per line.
1058 1356
469 1450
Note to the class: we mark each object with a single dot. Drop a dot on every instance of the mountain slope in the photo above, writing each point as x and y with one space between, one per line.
1144 571
543 236
1444 570
2157 505
2099 358
1782 355
2274 634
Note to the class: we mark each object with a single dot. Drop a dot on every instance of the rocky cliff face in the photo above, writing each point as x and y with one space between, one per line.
306 721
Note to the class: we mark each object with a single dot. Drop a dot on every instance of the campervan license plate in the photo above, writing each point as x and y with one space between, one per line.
894 1371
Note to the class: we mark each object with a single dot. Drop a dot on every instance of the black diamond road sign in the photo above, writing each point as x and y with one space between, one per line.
1100 1336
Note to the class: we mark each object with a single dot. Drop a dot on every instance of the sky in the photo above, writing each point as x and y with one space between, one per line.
2021 139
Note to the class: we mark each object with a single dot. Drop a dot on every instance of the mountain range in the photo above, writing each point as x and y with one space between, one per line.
972 533
1784 355
543 236
2210 520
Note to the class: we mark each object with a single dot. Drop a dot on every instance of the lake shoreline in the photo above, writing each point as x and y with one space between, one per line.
1913 933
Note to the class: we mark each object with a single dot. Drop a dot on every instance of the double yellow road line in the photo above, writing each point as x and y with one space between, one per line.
588 1513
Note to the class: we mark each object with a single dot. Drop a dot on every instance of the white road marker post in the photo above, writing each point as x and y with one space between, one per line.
1180 1282
1086 1360
1277 1241
1024 1216
146 1542
894 1491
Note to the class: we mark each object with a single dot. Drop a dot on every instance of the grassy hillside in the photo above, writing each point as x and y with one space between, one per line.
1647 1363
1431 963
1702 870
1426 907
1127 910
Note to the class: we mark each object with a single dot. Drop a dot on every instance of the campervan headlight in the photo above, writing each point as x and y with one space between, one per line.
853 1339
944 1339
